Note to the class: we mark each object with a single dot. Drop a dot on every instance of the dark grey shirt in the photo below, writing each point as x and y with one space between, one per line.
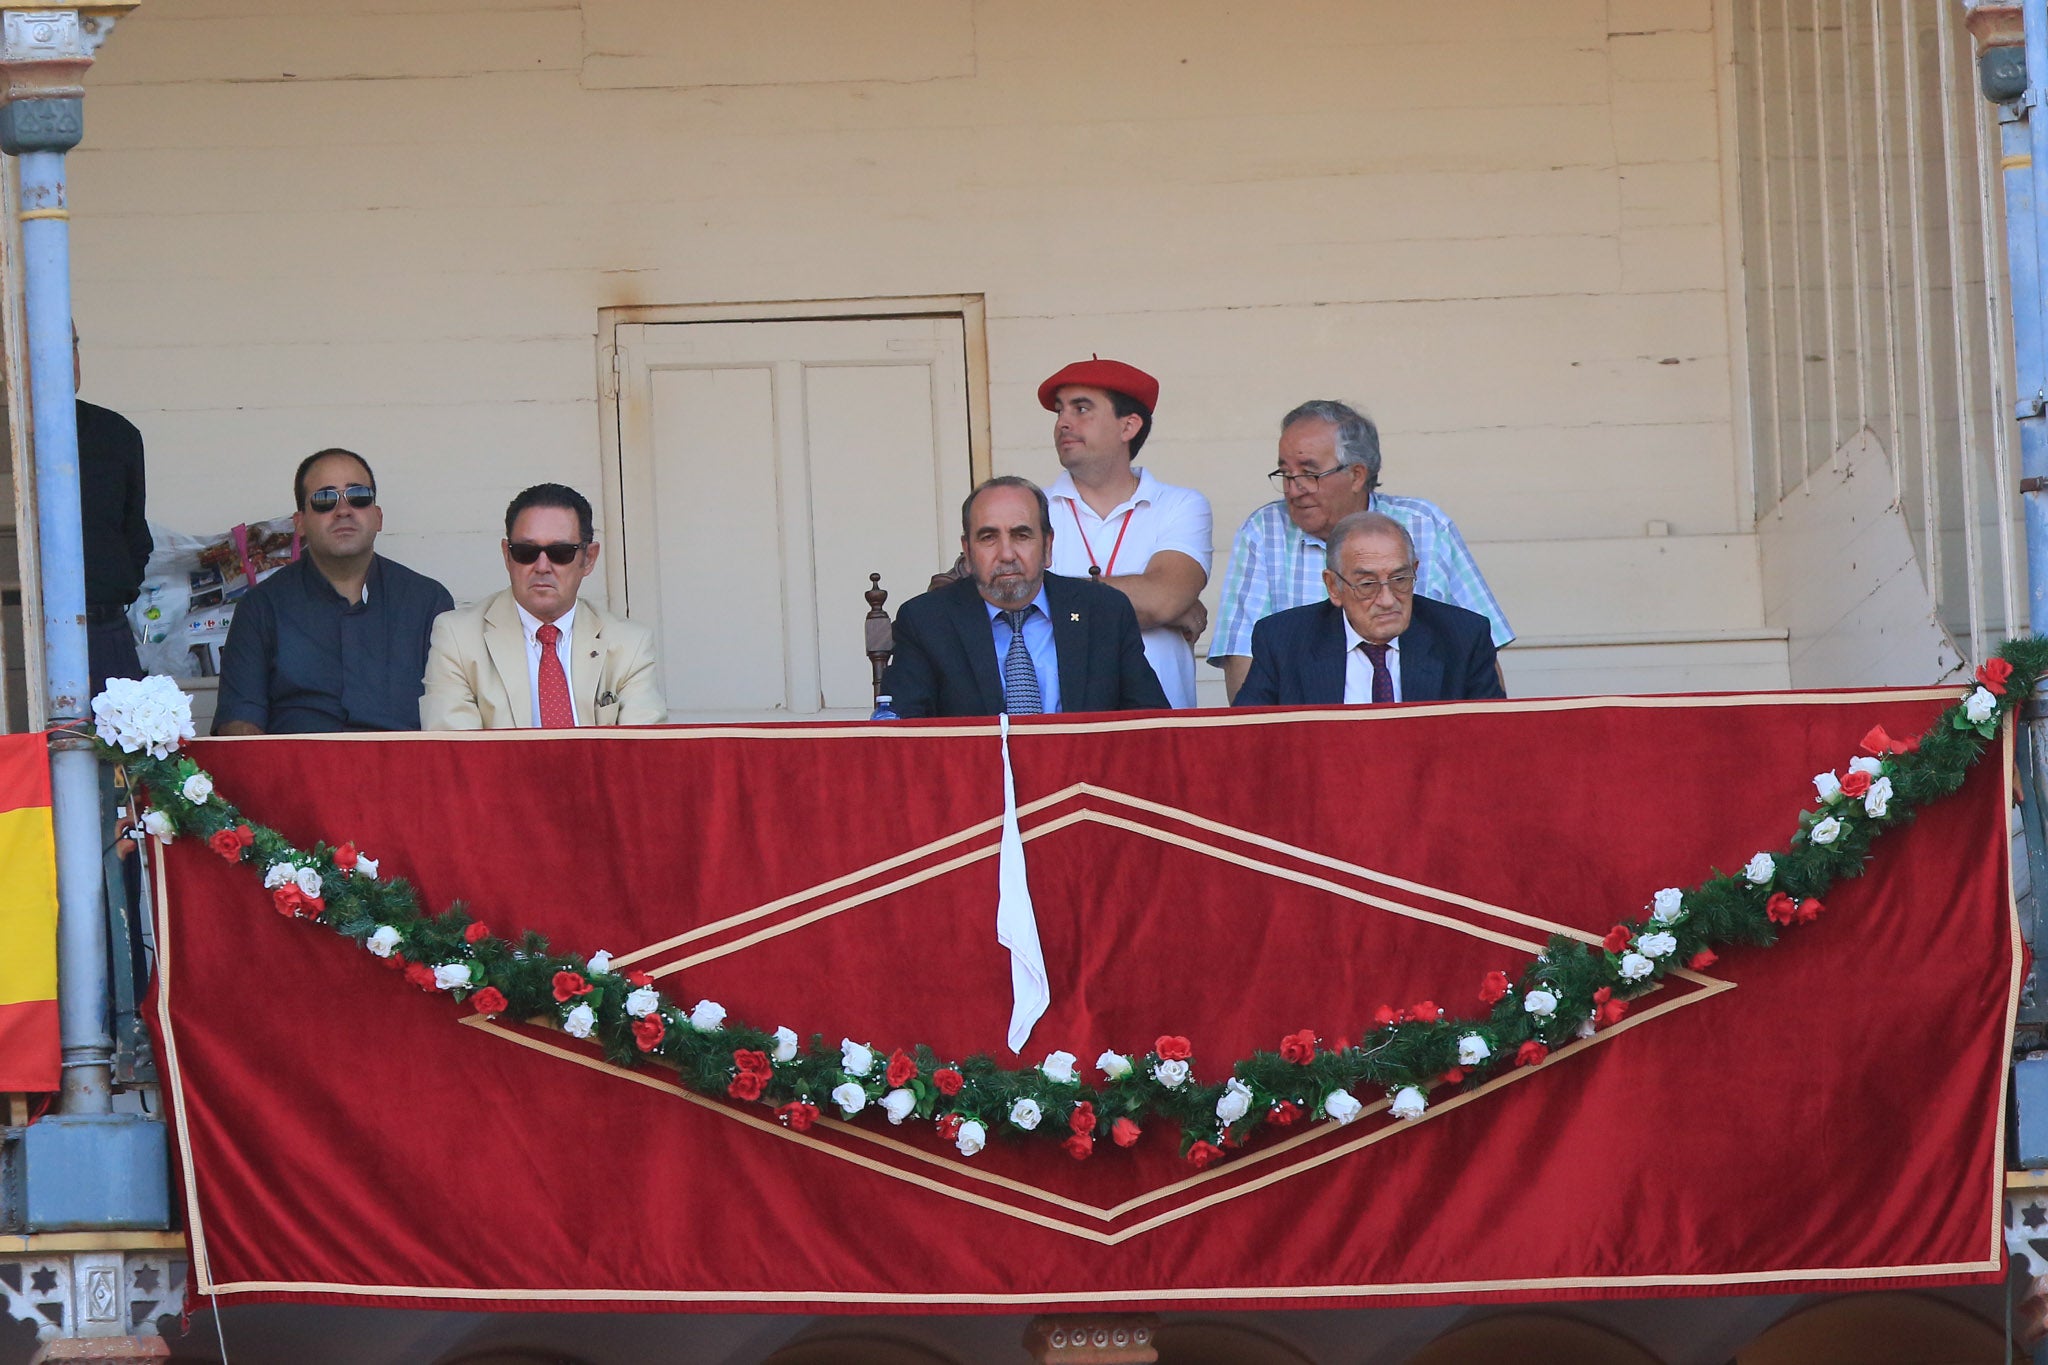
300 659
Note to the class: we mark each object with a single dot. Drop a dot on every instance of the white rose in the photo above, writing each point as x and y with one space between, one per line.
277 874
850 1098
1827 831
1827 786
1408 1103
1025 1113
159 826
449 976
971 1138
198 789
1060 1067
309 883
1114 1065
1472 1050
1657 945
1540 1003
1342 1106
1668 906
1878 799
1587 1027
137 715
383 942
1761 869
1172 1075
1977 708
785 1045
600 961
366 867
898 1104
854 1058
1634 966
580 1022
1235 1103
706 1015
1866 764
643 1002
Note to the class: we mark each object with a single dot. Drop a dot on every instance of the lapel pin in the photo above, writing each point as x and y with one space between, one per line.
1073 616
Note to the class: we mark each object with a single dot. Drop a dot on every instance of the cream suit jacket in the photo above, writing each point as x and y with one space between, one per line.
476 670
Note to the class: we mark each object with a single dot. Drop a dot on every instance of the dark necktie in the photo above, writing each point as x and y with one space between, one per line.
555 711
1020 679
1382 676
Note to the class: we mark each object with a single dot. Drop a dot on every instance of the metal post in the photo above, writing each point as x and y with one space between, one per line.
2027 245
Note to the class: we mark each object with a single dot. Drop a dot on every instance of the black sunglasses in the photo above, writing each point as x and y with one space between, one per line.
325 500
561 552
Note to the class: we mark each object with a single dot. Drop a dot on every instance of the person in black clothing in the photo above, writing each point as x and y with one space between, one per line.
117 539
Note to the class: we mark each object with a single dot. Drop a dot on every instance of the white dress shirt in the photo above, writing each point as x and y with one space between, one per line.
566 623
1358 668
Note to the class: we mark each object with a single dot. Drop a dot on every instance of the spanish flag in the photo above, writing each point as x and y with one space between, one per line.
28 917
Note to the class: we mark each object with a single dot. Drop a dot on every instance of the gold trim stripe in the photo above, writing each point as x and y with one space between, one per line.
2019 161
30 215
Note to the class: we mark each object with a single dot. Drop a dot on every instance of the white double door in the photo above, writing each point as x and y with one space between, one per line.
765 470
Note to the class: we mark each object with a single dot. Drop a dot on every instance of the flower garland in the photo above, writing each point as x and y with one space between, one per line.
1570 991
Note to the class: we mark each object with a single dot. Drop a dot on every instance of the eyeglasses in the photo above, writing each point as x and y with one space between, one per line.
1369 588
562 552
1312 478
325 500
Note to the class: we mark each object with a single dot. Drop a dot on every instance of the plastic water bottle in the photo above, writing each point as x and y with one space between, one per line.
882 709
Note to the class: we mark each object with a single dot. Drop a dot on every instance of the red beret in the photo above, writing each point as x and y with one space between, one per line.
1096 373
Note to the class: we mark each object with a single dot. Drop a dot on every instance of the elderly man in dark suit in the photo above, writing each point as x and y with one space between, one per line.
1374 640
1012 637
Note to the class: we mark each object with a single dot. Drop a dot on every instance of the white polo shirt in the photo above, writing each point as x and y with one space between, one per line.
1157 517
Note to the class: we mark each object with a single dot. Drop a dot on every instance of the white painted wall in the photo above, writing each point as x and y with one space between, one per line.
390 225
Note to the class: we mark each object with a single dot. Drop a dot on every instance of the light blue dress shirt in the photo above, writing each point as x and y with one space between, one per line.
1038 641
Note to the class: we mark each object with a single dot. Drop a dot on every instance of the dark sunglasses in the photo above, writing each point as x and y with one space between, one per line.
561 552
325 500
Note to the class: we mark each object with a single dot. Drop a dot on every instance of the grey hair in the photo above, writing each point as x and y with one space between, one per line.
1007 481
1358 440
1364 524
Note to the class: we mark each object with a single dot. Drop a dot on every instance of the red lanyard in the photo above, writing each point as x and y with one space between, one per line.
1109 568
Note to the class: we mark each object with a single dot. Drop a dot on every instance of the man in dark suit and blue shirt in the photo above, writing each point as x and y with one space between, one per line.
1012 637
1374 640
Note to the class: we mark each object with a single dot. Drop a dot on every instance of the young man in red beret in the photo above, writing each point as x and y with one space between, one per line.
1149 540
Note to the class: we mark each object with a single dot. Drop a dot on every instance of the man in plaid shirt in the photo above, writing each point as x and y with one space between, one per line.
1330 468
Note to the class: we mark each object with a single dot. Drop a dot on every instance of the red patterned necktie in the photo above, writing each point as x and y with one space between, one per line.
555 711
1382 676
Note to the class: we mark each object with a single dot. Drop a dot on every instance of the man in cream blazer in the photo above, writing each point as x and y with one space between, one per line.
535 656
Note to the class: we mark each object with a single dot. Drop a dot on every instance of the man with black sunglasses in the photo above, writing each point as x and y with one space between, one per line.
337 639
536 655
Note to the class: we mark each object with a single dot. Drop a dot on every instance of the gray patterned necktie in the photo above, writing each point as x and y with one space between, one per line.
1020 679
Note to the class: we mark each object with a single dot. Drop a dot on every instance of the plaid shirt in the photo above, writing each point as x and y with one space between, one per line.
1275 565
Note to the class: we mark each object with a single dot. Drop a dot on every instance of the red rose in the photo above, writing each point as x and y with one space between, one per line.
569 985
1878 742
648 1033
1703 959
1992 673
1299 1048
1808 911
477 932
1202 1153
949 1126
489 1000
1425 1010
750 1061
1781 908
1617 939
798 1115
901 1069
1531 1053
639 979
395 963
1171 1047
1080 1146
316 906
1856 783
1125 1132
226 843
1283 1114
1082 1120
420 974
1610 1014
1494 989
287 899
1385 1017
1342 1044
747 1085
345 857
948 1080
1453 1076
